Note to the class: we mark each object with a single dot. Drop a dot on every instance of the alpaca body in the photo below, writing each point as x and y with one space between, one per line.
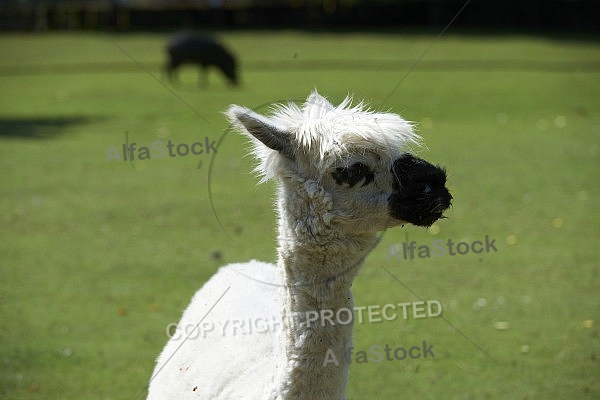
287 361
265 373
343 175
212 378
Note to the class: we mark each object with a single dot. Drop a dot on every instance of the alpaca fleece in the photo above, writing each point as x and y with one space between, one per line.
344 173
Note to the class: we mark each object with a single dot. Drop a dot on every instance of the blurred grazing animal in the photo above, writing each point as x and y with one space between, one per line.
344 173
202 50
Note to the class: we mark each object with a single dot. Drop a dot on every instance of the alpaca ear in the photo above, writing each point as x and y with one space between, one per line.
262 129
316 106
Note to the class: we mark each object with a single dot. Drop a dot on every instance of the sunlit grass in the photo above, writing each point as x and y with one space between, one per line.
99 257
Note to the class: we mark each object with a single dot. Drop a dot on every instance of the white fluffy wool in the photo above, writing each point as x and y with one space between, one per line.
325 231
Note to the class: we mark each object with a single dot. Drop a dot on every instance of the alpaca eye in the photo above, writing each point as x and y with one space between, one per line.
353 174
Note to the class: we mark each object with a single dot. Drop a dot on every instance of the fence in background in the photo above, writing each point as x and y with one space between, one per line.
32 15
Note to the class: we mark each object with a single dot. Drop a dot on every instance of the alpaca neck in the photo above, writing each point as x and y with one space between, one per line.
319 264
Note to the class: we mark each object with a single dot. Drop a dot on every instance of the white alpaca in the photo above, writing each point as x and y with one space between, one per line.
343 175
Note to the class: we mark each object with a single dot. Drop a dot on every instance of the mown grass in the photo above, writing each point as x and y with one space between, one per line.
97 257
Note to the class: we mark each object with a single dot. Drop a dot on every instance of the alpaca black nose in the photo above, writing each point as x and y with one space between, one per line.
419 194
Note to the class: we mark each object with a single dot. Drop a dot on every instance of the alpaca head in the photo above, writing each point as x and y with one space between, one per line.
353 161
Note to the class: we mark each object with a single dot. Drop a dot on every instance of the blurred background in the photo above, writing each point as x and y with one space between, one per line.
144 15
99 254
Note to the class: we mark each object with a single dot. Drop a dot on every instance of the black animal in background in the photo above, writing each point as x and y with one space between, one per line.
202 50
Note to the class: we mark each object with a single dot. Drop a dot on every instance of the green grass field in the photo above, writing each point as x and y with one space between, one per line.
97 258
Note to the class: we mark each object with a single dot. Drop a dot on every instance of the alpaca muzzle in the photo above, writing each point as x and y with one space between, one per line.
419 194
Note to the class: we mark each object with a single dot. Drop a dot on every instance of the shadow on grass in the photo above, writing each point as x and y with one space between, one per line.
40 128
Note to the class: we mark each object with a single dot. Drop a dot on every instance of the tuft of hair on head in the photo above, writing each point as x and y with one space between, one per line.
324 132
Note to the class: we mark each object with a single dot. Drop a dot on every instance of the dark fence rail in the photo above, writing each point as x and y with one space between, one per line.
574 15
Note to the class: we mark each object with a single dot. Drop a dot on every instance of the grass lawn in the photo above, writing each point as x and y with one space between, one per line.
97 257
